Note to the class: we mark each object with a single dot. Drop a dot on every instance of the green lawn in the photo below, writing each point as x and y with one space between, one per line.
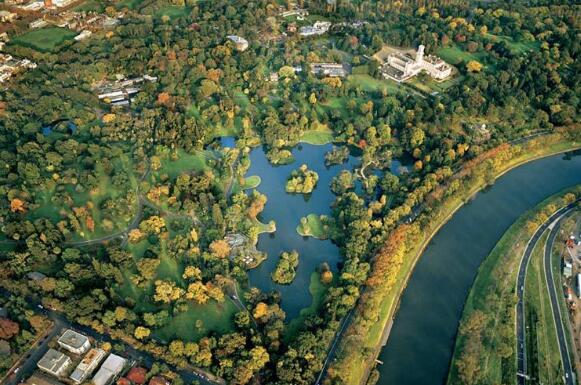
269 227
313 228
370 84
456 55
516 47
251 182
52 205
173 11
430 85
215 317
197 161
320 135
44 39
131 4
90 6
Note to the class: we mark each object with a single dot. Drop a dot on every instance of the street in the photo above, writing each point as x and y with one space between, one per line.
520 289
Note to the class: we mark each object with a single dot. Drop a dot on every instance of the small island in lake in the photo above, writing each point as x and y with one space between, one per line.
302 181
285 271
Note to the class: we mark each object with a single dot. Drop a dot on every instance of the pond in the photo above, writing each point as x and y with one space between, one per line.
287 210
422 338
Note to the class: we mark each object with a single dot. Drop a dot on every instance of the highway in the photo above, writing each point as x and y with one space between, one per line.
520 288
554 294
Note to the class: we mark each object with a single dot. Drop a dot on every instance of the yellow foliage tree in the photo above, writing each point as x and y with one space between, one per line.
474 66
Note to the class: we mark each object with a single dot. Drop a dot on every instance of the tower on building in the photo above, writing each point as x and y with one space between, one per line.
420 54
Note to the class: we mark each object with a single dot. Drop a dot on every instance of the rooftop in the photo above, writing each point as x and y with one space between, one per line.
73 339
53 361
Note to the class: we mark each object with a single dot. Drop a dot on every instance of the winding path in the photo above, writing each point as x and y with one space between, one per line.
550 223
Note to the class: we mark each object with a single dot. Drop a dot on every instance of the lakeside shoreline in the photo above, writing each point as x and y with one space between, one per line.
393 301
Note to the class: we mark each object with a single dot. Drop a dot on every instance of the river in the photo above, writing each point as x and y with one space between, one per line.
421 342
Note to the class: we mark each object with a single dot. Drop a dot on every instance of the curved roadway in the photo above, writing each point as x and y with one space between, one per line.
550 223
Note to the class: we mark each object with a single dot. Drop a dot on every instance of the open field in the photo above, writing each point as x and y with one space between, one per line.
370 84
321 135
90 6
52 204
516 47
430 85
313 228
172 11
44 39
212 317
456 55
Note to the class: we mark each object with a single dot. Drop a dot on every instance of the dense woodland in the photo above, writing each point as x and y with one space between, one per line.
121 170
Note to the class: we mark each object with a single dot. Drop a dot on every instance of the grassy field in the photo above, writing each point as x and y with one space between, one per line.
172 11
370 84
371 345
90 6
456 55
91 200
251 182
313 228
430 85
185 162
131 4
44 39
318 291
215 317
516 47
318 136
544 359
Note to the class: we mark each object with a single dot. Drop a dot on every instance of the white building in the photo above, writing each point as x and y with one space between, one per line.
87 365
110 369
329 69
74 342
54 362
38 23
7 17
241 43
319 28
83 35
401 67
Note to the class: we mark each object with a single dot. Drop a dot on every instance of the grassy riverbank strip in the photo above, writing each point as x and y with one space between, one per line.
358 351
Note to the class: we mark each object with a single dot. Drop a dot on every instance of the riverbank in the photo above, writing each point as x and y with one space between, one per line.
359 351
484 349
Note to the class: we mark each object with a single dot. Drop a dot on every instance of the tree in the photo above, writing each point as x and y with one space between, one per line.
8 328
473 66
220 248
142 332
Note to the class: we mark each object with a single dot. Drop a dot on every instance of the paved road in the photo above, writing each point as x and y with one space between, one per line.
520 310
554 294
61 323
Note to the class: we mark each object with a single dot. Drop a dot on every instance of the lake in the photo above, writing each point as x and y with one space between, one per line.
287 210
